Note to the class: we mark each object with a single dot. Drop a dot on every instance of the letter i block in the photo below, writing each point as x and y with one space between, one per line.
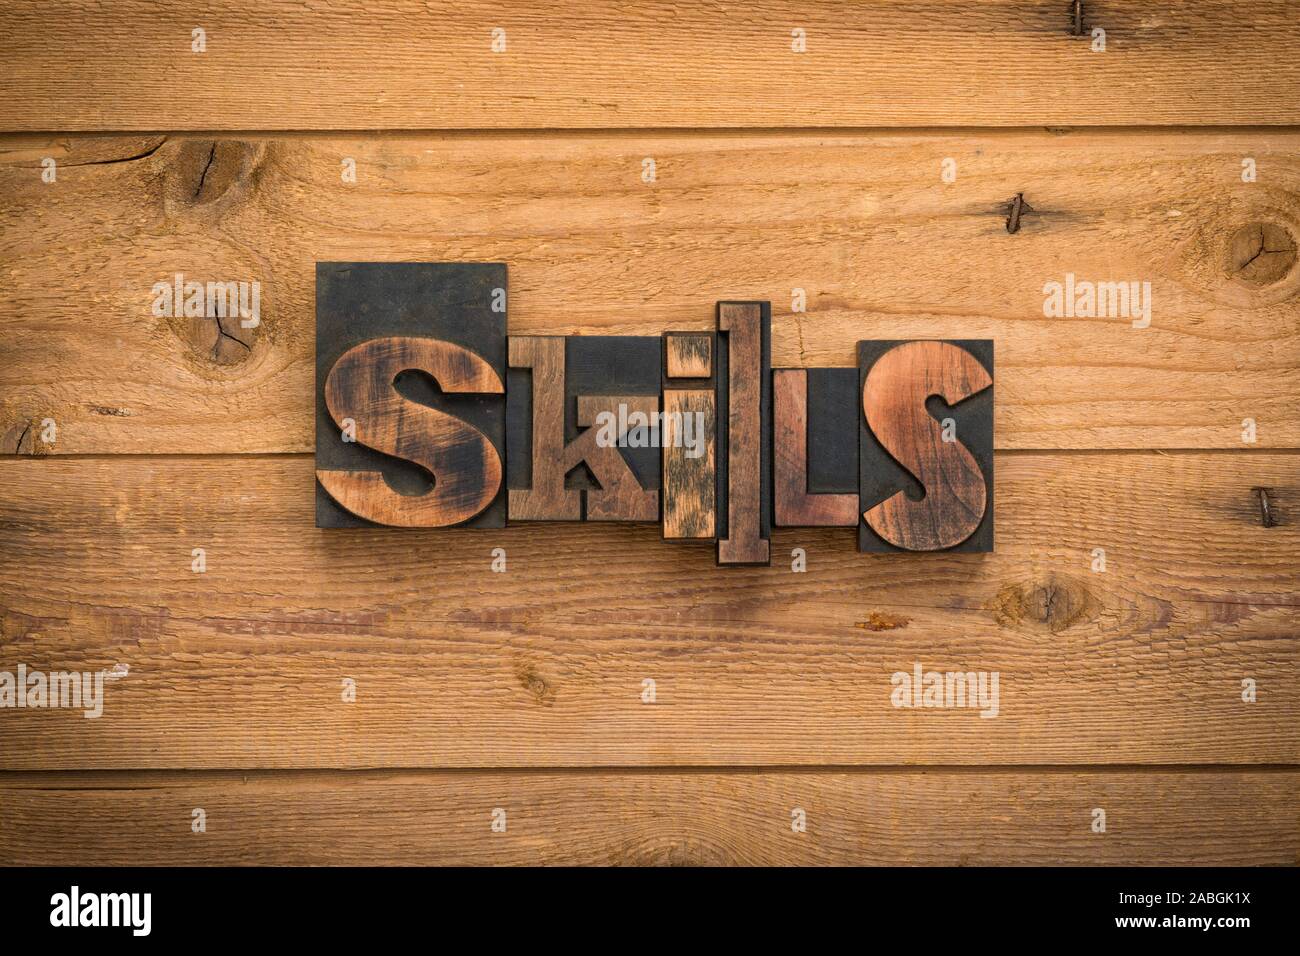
689 436
410 394
926 446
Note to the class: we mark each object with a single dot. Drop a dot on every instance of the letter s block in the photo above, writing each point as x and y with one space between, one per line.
414 356
926 446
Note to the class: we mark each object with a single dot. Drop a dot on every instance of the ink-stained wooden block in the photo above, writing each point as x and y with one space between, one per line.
833 433
688 354
690 491
411 361
689 360
926 445
689 438
834 411
579 416
744 368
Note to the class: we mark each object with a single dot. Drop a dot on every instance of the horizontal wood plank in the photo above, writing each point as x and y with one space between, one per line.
999 817
431 64
454 665
861 225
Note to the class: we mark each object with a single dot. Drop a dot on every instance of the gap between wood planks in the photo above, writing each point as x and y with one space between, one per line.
634 133
155 779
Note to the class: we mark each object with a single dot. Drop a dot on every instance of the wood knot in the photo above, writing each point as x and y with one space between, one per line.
205 172
535 684
25 438
1056 604
215 339
686 850
1261 253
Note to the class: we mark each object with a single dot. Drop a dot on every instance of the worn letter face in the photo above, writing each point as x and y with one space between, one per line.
926 446
410 394
745 429
579 442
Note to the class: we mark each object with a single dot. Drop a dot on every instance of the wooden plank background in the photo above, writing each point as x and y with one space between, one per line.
543 665
775 172
429 64
862 223
890 818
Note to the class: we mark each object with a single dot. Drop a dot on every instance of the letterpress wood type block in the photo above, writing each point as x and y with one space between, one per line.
580 410
688 355
926 445
823 432
689 436
410 404
744 370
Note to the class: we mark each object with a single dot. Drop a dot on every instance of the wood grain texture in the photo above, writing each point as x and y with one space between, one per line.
744 433
543 666
999 817
815 180
861 223
687 355
793 505
543 497
690 483
620 496
600 63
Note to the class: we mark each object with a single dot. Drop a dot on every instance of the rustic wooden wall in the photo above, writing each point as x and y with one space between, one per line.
775 170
